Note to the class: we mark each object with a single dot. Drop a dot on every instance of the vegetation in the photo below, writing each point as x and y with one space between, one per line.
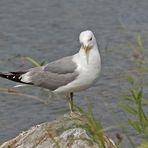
94 127
133 102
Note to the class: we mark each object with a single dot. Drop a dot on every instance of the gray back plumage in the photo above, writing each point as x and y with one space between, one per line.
54 74
61 66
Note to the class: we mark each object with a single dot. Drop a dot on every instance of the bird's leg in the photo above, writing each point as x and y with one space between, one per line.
70 102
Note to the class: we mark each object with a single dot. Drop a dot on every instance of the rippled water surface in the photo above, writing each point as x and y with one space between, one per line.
46 30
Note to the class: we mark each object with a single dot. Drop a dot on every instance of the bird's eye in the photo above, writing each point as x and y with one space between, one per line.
90 39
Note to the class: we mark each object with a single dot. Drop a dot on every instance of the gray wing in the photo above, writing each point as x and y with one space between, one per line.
54 74
61 66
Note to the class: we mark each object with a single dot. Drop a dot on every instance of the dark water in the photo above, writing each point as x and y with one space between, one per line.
46 30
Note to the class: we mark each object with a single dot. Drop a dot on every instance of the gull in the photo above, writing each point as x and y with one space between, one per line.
67 75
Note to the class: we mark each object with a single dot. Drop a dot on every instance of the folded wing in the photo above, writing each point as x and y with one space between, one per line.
50 76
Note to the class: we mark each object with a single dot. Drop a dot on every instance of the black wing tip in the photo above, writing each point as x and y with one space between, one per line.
4 75
13 76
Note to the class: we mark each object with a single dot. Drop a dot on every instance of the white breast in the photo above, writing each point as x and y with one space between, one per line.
88 72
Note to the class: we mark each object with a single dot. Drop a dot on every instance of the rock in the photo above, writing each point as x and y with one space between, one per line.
61 133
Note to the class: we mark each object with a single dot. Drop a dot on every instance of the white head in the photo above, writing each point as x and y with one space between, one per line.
87 40
89 52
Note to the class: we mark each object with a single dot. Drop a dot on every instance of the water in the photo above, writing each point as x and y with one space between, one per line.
47 30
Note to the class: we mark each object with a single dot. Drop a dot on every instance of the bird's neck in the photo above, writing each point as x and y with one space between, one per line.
91 58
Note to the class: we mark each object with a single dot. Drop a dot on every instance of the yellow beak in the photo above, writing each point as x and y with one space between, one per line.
86 48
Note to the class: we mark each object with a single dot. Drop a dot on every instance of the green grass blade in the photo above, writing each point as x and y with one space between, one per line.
34 62
128 108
